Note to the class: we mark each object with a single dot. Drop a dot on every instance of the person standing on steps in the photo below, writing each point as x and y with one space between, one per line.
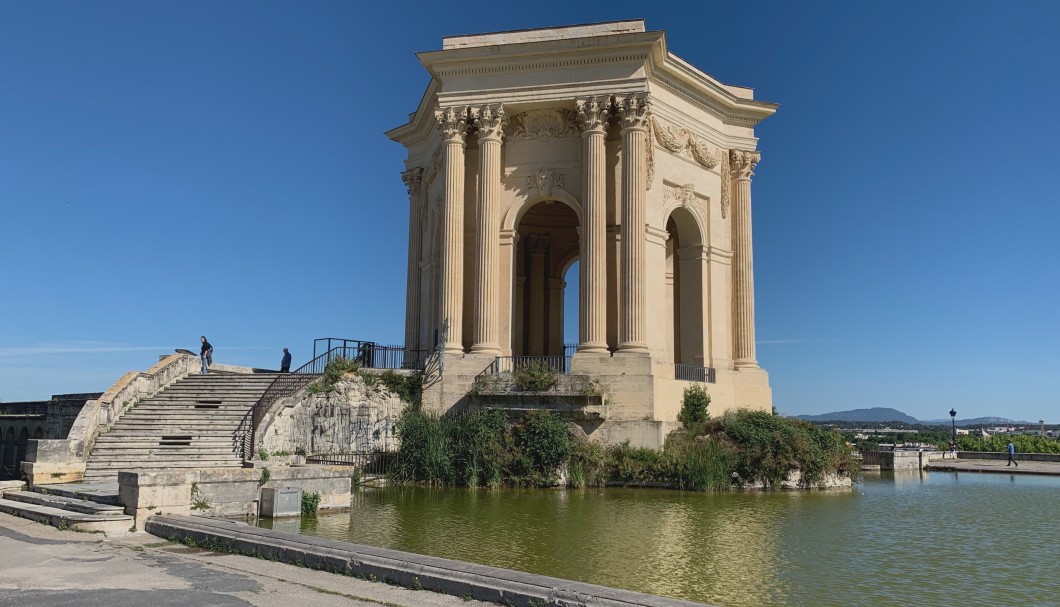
1012 455
206 355
285 364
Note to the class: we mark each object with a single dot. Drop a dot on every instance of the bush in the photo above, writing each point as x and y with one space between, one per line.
335 370
999 442
694 406
310 503
535 377
485 448
771 447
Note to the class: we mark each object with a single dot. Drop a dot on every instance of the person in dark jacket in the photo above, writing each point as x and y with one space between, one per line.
285 364
206 355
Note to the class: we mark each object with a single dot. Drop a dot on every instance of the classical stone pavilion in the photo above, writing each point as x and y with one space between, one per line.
531 150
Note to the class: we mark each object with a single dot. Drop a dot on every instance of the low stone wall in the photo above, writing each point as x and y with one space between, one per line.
226 491
1001 455
482 582
896 460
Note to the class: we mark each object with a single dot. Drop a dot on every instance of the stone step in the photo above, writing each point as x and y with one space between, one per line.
67 519
99 492
72 504
170 450
141 464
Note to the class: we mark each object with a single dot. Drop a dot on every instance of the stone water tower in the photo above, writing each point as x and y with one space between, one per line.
531 150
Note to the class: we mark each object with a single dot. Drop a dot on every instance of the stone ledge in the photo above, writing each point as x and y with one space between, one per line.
457 578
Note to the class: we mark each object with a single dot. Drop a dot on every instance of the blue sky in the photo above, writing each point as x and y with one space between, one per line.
171 170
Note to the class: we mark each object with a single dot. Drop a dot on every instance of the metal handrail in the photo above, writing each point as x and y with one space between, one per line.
510 364
706 375
372 355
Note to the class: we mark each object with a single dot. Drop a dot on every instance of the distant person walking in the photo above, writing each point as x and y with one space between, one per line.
1012 455
205 355
285 364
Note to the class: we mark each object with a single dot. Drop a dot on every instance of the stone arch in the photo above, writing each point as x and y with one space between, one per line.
38 433
7 450
547 243
684 281
515 213
20 448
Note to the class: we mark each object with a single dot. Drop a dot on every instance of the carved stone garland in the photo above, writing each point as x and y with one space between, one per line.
683 141
544 124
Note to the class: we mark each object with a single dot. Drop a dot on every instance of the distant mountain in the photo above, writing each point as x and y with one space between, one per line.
886 414
875 414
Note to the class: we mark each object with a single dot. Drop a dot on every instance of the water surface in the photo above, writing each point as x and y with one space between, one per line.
928 539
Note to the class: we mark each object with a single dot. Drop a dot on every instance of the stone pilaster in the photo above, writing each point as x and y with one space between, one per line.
743 289
453 125
593 113
490 121
634 111
413 179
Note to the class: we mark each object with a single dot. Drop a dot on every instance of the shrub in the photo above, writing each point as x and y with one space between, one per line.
335 370
999 442
310 503
694 406
535 377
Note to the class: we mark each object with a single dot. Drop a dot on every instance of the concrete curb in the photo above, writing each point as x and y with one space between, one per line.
403 568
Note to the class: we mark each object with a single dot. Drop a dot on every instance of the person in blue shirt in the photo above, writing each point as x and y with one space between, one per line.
285 363
1011 455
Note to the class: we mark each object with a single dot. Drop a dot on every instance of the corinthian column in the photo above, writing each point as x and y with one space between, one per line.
592 114
490 121
413 179
743 286
634 111
453 125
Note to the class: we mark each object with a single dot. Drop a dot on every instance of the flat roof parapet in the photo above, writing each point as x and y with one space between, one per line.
587 30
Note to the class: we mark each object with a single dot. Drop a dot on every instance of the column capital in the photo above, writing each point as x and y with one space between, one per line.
634 111
413 179
593 113
490 121
743 163
452 122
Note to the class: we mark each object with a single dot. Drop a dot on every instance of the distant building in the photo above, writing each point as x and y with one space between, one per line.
22 421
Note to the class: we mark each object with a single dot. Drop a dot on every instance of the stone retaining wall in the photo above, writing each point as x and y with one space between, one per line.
226 491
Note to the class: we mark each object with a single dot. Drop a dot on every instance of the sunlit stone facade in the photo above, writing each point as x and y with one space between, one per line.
533 149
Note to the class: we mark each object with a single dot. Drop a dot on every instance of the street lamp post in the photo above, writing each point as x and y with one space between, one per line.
953 422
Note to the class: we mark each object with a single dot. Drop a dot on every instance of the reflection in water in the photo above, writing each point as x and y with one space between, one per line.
897 539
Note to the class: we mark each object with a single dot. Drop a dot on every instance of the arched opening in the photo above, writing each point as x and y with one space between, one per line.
38 433
7 450
23 440
572 308
684 288
546 249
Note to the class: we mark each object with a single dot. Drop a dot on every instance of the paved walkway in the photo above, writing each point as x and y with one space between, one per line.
45 567
995 465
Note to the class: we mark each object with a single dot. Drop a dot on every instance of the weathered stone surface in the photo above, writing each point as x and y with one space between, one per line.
226 491
356 417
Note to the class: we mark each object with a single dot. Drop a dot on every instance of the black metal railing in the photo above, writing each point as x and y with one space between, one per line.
376 463
510 364
570 349
694 373
372 355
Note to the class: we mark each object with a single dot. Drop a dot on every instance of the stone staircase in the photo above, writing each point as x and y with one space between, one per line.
76 506
190 424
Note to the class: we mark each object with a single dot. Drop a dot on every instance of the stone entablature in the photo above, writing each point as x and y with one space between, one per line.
650 160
